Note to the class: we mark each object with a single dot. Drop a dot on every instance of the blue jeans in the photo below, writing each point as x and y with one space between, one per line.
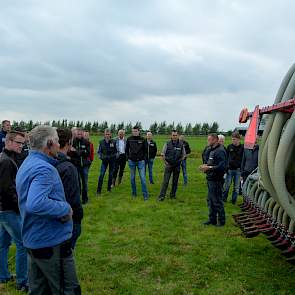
83 177
76 234
10 229
103 169
141 170
150 163
232 175
184 173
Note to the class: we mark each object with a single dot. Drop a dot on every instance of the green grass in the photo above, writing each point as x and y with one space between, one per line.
134 247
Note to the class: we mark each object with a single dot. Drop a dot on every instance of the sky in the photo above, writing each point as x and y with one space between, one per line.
153 60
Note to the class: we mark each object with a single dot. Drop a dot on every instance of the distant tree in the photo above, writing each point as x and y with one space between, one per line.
214 127
154 128
162 127
170 127
205 128
128 128
179 128
188 129
197 129
120 126
113 129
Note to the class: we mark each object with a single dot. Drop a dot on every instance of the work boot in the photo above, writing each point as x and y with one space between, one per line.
209 222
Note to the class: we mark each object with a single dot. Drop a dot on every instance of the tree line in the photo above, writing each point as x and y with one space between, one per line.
99 127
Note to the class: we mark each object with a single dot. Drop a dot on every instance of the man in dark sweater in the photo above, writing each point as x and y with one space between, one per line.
70 180
173 153
107 152
5 127
10 220
215 168
234 160
151 152
249 161
80 156
183 162
136 151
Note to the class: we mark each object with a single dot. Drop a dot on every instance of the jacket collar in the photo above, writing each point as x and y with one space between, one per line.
44 157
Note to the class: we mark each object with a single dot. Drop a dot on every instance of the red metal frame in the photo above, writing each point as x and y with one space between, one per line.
251 135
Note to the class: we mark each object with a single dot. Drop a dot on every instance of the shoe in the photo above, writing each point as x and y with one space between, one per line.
23 287
161 199
172 197
208 223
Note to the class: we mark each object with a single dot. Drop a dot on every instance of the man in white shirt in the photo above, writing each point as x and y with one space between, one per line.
121 157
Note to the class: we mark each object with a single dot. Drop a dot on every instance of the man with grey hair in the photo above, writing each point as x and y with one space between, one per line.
46 218
107 153
221 139
121 158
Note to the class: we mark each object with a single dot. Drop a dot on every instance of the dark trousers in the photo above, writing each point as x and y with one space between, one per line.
76 233
120 164
52 271
103 168
83 182
215 202
174 170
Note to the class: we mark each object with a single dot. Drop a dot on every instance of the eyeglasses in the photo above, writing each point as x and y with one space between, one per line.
19 142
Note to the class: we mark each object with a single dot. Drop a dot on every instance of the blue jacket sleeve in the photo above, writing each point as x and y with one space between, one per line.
39 201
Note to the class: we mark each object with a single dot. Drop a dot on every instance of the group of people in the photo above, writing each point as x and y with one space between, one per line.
42 191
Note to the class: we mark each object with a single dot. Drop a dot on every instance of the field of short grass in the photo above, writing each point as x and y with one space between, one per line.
129 246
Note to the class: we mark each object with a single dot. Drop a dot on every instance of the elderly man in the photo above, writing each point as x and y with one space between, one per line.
173 153
6 127
10 221
46 218
107 153
121 158
151 152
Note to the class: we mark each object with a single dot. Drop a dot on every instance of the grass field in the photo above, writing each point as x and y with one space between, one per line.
129 246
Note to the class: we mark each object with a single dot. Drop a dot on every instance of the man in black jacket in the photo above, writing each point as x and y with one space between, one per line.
173 153
249 161
5 127
80 156
136 151
70 180
183 162
10 220
151 152
215 169
107 152
234 160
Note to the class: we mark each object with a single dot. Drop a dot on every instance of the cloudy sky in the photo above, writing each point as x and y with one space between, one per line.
132 60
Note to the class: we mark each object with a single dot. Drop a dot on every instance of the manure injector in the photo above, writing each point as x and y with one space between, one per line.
269 192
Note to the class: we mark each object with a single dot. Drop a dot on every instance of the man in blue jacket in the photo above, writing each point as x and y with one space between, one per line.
46 218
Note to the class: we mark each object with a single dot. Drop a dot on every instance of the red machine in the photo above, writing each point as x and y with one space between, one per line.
251 135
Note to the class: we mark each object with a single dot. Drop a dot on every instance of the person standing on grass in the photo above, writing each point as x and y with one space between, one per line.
221 139
10 220
5 128
249 161
151 152
234 160
215 168
91 155
107 152
121 158
173 153
46 218
80 154
70 180
136 151
183 162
